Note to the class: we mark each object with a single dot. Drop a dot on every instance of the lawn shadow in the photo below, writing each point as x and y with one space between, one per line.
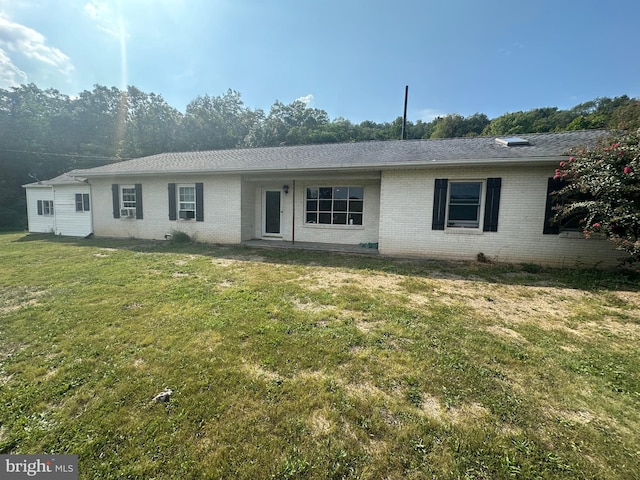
518 274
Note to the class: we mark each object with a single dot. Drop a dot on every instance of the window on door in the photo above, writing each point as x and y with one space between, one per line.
272 212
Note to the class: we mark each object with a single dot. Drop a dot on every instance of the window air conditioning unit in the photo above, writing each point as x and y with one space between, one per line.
127 212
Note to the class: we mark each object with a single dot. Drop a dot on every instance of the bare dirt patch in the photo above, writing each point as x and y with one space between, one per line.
507 333
180 274
364 390
580 416
13 299
334 278
319 423
308 306
233 259
256 371
467 413
186 260
547 306
432 408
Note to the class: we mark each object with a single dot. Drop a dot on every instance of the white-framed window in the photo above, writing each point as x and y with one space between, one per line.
574 223
45 207
127 201
186 201
334 205
464 204
82 202
128 197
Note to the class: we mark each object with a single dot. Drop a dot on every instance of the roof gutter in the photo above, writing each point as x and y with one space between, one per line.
527 161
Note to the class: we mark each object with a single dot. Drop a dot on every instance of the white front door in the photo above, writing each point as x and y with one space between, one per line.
272 213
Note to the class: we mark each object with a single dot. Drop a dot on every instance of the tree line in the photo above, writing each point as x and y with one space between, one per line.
44 133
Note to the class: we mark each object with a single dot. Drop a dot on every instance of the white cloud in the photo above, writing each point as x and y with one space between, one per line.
19 40
105 18
112 23
10 75
512 49
307 99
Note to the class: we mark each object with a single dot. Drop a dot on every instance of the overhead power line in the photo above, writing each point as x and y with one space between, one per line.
68 155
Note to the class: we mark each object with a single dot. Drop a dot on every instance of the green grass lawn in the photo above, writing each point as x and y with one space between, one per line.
292 364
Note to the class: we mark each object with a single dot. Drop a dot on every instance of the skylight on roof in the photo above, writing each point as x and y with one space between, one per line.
512 141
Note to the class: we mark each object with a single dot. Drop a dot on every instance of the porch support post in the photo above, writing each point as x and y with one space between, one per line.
293 217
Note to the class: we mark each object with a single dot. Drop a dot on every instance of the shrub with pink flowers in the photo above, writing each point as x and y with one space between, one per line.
608 176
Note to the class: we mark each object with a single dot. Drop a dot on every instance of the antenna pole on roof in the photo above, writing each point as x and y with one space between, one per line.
404 115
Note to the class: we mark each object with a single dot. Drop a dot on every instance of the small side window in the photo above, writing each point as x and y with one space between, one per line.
82 202
45 207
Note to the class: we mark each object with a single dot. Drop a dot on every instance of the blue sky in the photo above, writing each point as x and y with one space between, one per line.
350 58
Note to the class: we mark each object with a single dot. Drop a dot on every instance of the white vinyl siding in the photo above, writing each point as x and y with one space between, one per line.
64 218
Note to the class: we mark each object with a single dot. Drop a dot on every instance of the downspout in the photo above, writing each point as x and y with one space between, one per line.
293 219
90 207
55 210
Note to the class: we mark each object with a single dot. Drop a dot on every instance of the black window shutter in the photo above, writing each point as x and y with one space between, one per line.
138 187
172 201
439 203
39 207
115 195
492 204
85 202
78 202
199 202
550 227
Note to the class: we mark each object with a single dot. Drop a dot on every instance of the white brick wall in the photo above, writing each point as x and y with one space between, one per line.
397 215
407 208
252 208
349 235
222 219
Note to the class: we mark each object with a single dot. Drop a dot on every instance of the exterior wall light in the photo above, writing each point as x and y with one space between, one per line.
285 189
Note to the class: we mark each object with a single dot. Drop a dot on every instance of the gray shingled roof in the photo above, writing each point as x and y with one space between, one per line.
69 178
544 147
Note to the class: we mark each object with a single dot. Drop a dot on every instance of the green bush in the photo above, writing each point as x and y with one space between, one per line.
603 188
180 237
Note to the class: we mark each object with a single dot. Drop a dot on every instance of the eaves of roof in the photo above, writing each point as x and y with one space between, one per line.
69 178
509 161
546 148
